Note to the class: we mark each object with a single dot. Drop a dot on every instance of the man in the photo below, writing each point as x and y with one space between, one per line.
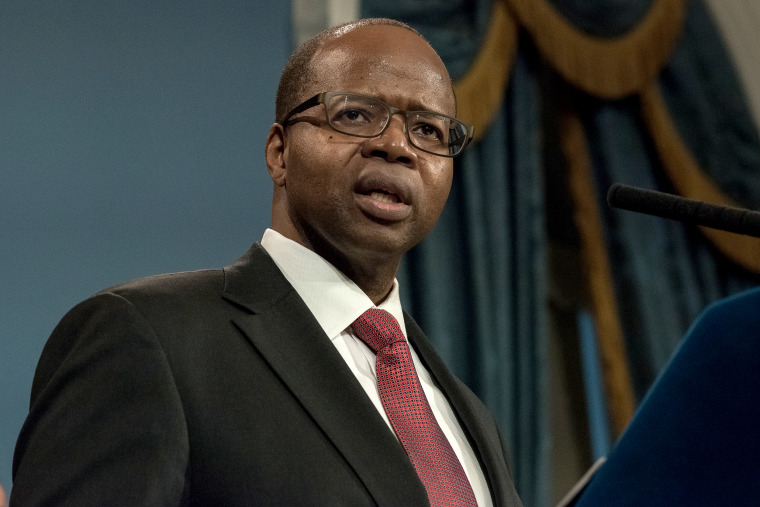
250 385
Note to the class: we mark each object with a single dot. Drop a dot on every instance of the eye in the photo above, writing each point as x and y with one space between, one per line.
353 112
352 116
427 129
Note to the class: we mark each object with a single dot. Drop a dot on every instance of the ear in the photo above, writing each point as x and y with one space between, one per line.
275 154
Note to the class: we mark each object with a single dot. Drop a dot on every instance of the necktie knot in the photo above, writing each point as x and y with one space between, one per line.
378 329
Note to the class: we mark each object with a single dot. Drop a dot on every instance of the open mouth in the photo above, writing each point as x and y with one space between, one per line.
384 200
383 196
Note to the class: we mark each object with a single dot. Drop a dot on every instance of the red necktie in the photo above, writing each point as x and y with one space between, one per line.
409 412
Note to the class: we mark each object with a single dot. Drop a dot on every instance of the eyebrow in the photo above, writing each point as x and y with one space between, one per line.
419 107
415 106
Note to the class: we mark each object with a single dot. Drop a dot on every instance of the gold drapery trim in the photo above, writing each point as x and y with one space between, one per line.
480 92
690 181
605 67
609 334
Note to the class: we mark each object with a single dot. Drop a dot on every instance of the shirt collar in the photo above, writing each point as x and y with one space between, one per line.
333 298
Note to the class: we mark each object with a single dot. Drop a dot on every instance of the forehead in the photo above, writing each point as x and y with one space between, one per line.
389 62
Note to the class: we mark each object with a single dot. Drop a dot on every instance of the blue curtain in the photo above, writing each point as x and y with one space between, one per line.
480 283
666 272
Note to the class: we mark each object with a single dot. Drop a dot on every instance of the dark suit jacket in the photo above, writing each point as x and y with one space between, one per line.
219 388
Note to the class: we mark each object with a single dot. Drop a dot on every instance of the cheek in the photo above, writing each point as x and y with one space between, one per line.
318 156
308 164
440 186
437 193
315 178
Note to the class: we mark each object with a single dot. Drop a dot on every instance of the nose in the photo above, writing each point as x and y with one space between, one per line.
393 144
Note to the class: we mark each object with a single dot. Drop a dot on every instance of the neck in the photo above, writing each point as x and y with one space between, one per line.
376 282
373 272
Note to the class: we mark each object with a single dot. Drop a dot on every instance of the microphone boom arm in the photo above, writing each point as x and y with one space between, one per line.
651 202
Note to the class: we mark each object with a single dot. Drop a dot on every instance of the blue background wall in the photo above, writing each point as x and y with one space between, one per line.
131 143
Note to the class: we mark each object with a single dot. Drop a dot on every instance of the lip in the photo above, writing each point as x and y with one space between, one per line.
371 193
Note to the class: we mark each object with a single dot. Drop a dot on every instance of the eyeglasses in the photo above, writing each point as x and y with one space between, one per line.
363 116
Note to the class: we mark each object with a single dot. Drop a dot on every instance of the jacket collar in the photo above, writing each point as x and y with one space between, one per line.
281 328
242 281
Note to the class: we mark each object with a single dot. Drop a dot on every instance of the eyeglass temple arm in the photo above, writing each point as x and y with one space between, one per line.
316 99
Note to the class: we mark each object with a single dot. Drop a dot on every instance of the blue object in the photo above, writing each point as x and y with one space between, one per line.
596 403
695 439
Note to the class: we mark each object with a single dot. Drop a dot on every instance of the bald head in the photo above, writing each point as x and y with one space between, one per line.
298 73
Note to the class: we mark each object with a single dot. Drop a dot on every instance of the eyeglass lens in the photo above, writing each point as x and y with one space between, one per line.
364 116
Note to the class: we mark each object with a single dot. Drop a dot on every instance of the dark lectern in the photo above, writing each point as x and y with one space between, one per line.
695 438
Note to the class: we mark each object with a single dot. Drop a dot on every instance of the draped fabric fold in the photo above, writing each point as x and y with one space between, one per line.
617 380
649 98
689 180
608 67
480 91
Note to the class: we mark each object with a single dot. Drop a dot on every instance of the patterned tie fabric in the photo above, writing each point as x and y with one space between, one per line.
409 412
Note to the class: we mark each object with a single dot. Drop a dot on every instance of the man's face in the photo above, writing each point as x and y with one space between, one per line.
368 199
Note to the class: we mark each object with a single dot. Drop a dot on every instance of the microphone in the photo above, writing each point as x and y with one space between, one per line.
690 211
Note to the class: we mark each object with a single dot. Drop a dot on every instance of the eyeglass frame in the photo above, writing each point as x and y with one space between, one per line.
324 98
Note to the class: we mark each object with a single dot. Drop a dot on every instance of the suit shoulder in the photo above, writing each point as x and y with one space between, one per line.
180 285
172 299
165 294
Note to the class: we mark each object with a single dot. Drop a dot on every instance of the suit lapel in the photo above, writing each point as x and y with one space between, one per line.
482 434
282 329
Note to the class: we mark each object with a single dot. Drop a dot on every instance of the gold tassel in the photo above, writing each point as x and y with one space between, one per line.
609 335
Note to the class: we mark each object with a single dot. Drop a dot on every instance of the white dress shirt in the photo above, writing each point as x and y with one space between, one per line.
336 302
